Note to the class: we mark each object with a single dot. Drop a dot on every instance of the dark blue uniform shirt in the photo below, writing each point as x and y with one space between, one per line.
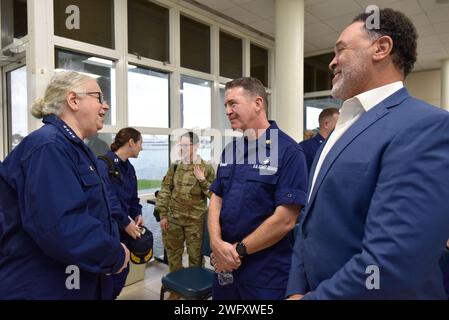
252 191
125 201
310 148
61 218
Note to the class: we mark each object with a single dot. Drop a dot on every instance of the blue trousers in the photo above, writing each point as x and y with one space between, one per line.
242 291
118 282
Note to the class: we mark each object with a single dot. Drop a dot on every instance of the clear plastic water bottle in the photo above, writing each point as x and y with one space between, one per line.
225 278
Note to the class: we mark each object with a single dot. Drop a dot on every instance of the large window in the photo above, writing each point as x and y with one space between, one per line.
148 98
17 105
148 30
195 45
231 62
317 76
195 103
152 163
205 148
167 75
223 119
103 70
85 20
13 20
259 64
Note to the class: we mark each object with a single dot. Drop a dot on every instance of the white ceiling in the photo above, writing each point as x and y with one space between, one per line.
325 19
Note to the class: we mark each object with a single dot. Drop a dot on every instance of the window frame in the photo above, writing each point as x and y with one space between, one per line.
41 21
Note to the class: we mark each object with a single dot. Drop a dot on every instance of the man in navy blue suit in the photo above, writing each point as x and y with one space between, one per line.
327 120
376 221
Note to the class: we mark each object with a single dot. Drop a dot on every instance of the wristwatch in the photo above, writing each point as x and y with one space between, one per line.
241 249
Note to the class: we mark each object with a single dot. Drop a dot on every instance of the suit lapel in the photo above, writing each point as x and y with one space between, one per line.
314 163
363 123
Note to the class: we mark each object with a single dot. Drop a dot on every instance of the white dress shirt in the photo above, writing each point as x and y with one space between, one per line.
350 112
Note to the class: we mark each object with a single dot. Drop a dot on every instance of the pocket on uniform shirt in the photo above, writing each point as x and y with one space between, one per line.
224 175
88 176
262 178
261 186
91 184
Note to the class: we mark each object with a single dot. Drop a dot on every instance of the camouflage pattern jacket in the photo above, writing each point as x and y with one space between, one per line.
182 198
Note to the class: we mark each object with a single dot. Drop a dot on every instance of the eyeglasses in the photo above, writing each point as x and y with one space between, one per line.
99 95
185 145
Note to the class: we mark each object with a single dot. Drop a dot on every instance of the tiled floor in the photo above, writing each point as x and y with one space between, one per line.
149 288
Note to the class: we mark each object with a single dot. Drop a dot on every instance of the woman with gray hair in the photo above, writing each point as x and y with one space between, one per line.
60 241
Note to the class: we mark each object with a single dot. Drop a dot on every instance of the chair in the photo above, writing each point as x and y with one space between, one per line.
193 283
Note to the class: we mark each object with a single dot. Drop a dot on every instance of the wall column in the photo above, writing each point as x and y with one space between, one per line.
40 53
289 67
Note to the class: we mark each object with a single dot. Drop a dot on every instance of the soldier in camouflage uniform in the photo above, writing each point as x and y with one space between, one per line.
182 203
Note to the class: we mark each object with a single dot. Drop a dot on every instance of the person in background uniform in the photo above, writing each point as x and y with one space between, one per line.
127 211
376 221
327 120
61 241
308 134
256 200
182 203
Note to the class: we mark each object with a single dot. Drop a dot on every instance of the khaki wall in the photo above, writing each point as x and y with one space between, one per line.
425 85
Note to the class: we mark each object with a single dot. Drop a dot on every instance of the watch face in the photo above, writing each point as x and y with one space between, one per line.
241 249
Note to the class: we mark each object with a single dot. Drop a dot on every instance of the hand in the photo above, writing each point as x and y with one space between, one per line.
125 263
164 224
225 258
213 262
133 230
295 297
139 220
199 173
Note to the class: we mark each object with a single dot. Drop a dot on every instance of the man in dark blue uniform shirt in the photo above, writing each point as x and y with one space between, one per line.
259 191
59 240
327 120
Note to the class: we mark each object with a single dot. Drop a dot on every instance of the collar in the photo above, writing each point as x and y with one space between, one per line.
62 126
365 101
266 135
319 137
369 99
115 157
199 160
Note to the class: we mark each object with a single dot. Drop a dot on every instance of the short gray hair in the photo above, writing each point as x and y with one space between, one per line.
251 85
55 94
